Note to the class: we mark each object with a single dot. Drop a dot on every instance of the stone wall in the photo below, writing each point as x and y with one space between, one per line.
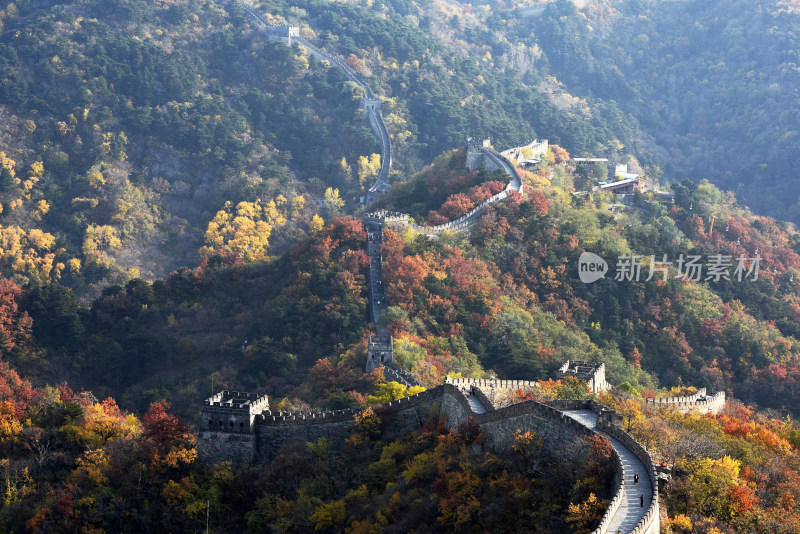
535 149
444 403
699 402
215 447
488 384
650 524
270 439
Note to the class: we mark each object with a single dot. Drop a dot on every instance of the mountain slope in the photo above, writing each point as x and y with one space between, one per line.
714 84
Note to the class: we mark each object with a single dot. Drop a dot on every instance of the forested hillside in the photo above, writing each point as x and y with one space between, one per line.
180 215
712 85
129 125
132 131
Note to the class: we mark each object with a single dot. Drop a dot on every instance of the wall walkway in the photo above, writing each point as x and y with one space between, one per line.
371 107
635 506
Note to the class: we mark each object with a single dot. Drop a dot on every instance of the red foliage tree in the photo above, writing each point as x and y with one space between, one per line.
354 63
161 428
15 326
456 206
539 203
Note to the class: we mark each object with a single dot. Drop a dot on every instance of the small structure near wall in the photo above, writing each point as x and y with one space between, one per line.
621 187
283 34
593 373
232 411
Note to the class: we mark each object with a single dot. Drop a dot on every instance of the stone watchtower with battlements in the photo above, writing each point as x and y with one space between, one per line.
593 373
371 104
232 411
475 153
380 351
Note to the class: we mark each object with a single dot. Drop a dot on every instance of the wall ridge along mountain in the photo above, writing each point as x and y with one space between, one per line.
240 427
370 104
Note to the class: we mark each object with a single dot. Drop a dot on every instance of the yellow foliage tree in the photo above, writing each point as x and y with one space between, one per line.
42 208
28 254
332 201
98 242
392 391
10 427
246 229
368 168
710 485
97 180
316 224
74 266
298 203
346 170
369 423
92 467
581 517
18 484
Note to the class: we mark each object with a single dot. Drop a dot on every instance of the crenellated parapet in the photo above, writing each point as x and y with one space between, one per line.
233 411
489 384
699 402
529 153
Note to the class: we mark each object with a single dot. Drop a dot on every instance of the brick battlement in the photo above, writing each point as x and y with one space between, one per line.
699 402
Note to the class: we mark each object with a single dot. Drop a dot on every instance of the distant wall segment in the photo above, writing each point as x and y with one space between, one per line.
370 104
699 402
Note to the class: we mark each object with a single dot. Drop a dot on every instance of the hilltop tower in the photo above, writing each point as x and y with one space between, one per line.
283 34
232 411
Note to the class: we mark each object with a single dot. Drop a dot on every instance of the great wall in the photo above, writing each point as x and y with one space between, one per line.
240 427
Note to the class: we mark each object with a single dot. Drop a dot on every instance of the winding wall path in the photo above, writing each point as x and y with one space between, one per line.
371 105
372 108
633 502
623 514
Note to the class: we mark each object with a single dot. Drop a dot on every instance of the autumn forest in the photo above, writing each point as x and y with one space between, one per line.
181 214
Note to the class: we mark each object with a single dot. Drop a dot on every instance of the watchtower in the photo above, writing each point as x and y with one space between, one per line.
283 34
371 104
380 351
232 411
475 153
593 373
